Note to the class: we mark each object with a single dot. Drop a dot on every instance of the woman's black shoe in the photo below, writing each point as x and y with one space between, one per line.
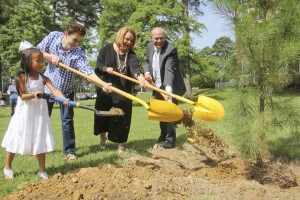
168 146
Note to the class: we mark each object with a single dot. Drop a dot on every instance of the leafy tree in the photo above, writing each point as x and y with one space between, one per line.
205 73
84 11
271 43
6 10
31 22
189 6
224 50
145 15
215 64
268 36
233 11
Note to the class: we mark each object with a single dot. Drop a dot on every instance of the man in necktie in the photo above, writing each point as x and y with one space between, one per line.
162 67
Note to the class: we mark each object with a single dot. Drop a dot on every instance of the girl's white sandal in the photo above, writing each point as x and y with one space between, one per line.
8 174
43 175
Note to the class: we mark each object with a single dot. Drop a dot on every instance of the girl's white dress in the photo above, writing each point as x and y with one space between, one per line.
29 130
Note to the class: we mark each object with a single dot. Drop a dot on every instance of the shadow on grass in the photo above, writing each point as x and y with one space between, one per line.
3 116
71 166
288 147
142 147
204 90
5 112
289 93
209 93
139 146
110 155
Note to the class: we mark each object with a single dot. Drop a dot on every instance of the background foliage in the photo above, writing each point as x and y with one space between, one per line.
264 55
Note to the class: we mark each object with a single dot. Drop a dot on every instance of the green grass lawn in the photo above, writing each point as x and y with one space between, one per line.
143 134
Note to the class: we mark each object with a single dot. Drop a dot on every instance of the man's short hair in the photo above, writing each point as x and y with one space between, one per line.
75 27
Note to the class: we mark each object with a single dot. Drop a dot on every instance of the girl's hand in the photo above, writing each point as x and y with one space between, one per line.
36 93
66 103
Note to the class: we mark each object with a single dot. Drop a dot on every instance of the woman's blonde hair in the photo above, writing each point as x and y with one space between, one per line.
120 37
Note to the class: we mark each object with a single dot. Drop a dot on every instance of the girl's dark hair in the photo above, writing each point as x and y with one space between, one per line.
26 58
75 28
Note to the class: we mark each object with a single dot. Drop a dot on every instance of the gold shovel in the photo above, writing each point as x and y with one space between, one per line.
158 110
205 108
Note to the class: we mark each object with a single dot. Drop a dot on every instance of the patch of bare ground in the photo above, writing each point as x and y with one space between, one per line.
188 172
205 168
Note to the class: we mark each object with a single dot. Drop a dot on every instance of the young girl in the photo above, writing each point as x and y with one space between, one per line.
29 130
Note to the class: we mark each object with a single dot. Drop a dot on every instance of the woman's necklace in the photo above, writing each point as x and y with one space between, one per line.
122 66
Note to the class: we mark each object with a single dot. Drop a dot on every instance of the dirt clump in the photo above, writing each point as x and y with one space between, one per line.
116 111
204 137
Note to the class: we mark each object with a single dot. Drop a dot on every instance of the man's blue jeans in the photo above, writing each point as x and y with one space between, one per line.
13 103
66 114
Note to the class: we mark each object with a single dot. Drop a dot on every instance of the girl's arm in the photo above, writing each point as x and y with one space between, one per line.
53 89
22 89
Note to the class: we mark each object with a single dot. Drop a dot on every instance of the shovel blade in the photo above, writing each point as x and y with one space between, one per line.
164 111
105 113
208 109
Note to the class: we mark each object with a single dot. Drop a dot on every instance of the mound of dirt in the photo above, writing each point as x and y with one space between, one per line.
207 167
273 173
188 172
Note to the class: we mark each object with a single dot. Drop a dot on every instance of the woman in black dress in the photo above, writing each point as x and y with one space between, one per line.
119 57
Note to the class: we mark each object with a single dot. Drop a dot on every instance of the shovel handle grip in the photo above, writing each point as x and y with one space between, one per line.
61 100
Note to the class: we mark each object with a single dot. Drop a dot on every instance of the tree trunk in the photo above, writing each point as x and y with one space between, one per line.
187 82
264 149
238 57
187 79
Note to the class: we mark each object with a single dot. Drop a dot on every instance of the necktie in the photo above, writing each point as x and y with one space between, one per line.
156 69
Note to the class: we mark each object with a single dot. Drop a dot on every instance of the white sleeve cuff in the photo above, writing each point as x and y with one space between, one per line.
147 73
169 89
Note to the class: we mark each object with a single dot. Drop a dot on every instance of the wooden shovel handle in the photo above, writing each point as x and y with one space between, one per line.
136 81
125 77
179 98
98 83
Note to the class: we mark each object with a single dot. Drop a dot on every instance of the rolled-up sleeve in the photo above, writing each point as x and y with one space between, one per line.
83 66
